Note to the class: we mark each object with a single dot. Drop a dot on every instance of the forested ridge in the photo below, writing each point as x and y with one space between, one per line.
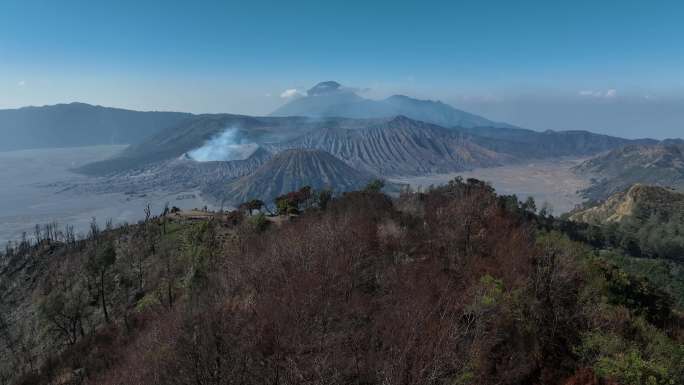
644 221
455 285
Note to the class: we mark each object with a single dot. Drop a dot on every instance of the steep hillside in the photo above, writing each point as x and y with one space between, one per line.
639 200
78 124
332 99
660 164
452 286
288 171
645 221
400 146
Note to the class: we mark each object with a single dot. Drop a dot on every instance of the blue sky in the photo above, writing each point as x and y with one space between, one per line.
609 66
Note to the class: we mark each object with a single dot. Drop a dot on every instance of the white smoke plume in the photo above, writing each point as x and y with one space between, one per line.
226 146
291 93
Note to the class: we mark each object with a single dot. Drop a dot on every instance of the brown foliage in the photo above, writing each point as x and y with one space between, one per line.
451 289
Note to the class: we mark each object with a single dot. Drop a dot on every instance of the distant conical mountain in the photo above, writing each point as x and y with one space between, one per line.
289 171
333 100
79 124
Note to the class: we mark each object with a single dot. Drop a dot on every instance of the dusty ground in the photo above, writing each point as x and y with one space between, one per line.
32 189
31 192
548 181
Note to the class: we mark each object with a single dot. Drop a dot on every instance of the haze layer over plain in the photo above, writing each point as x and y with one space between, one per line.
33 192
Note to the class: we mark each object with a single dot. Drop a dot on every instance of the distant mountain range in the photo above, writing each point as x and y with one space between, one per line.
659 164
396 146
330 99
79 124
411 138
525 144
385 146
397 136
177 141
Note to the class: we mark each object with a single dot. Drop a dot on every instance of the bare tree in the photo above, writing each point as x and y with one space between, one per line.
99 264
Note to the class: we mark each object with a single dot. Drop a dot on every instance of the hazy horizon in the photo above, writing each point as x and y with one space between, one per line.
628 118
612 68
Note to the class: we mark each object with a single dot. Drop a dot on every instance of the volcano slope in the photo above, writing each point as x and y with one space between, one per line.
396 144
196 132
386 147
289 171
400 146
